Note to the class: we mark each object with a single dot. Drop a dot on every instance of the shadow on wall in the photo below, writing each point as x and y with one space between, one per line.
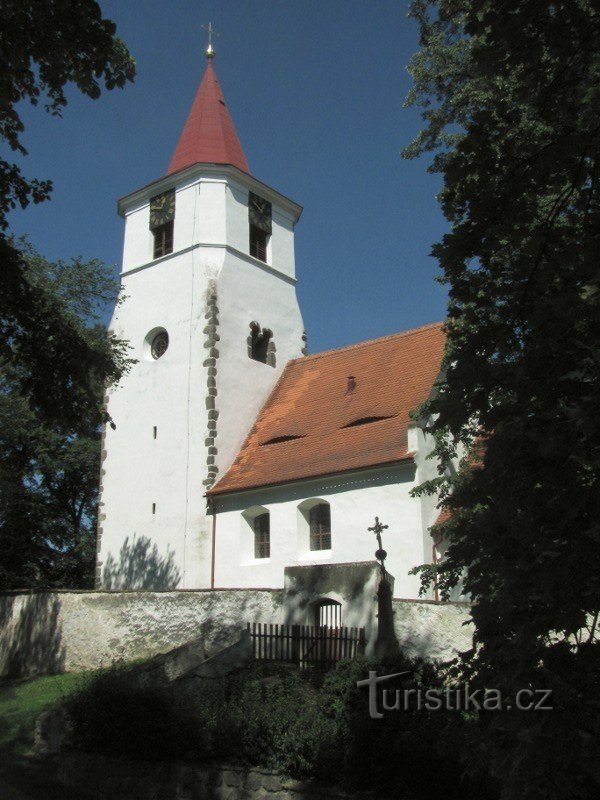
141 566
33 640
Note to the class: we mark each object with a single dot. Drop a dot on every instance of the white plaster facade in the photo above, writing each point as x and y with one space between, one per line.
355 498
178 421
154 531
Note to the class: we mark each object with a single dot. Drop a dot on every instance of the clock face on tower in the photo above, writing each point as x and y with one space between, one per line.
162 209
259 212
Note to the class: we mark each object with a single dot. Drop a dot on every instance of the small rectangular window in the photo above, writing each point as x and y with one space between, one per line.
155 431
154 508
163 239
258 243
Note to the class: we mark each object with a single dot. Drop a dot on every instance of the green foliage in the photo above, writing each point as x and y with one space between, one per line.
118 714
22 701
50 450
54 354
263 717
510 93
281 719
43 48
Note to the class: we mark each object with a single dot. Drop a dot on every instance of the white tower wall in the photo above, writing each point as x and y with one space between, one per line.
204 393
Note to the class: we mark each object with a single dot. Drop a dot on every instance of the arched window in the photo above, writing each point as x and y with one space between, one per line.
320 527
262 536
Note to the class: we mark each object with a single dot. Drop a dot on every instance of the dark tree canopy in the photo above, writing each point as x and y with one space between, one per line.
55 357
510 93
50 464
45 45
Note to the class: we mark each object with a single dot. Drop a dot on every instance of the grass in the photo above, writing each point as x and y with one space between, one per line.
21 701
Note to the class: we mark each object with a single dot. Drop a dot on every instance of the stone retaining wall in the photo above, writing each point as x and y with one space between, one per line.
111 778
435 631
71 631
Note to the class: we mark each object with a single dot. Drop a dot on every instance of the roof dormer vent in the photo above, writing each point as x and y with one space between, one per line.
291 437
367 420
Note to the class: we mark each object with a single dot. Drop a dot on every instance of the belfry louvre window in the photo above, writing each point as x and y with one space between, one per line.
258 243
162 214
163 240
260 222
320 527
262 536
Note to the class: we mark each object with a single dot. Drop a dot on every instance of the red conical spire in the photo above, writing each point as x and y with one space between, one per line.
209 134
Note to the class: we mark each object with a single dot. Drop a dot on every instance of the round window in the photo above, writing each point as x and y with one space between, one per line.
160 344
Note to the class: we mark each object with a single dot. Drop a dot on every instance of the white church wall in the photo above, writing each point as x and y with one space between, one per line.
280 251
238 234
210 214
138 238
352 585
355 499
426 470
137 243
151 487
248 292
282 243
202 395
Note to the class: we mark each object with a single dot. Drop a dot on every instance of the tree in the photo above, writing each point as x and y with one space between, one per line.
510 93
54 356
49 468
44 46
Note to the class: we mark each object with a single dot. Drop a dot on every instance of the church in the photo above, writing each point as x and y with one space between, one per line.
232 458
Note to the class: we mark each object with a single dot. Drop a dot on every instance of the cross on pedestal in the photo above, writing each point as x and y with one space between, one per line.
386 644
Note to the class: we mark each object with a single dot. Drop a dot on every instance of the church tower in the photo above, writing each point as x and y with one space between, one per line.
210 311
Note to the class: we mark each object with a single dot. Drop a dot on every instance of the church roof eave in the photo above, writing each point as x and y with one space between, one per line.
408 458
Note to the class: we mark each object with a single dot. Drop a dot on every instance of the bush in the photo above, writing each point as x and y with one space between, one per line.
285 720
117 714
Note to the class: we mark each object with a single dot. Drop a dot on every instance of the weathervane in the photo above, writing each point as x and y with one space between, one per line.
380 554
210 52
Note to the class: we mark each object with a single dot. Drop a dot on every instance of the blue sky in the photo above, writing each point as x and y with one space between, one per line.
316 91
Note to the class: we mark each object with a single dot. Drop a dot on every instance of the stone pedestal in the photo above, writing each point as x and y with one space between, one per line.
386 644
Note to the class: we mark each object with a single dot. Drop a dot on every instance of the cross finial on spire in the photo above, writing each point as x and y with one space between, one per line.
210 52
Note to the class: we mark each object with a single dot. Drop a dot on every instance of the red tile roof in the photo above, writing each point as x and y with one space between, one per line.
314 405
209 134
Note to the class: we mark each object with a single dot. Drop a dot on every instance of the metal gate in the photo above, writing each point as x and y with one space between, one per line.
328 614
